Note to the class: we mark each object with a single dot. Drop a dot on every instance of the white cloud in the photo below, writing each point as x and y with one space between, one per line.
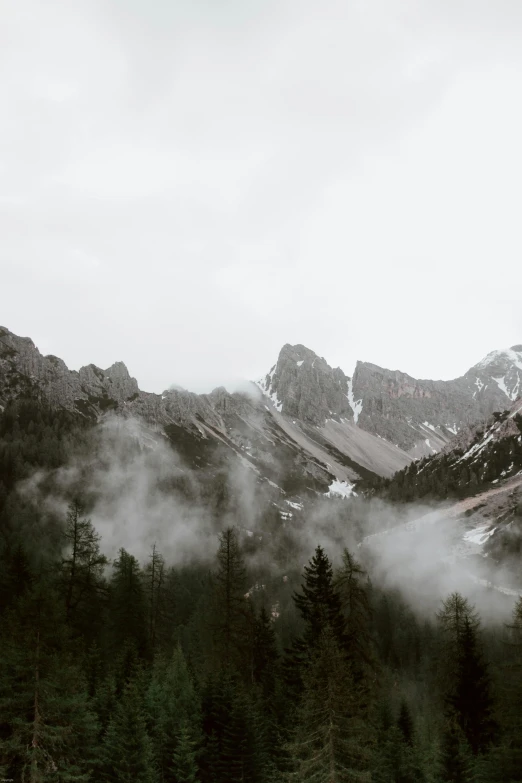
343 175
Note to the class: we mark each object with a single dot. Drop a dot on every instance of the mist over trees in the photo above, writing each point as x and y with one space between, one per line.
235 668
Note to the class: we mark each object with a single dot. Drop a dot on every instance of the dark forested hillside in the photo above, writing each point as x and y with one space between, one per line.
494 452
241 667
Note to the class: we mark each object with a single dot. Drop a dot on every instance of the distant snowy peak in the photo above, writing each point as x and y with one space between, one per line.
504 356
502 368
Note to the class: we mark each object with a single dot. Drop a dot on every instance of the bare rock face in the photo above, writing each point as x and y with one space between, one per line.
22 367
418 416
412 412
303 386
377 421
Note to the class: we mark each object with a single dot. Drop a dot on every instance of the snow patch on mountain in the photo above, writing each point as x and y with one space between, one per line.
501 383
265 384
355 405
340 489
479 535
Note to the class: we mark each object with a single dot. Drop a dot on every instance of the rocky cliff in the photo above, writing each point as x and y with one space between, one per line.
279 449
417 416
335 426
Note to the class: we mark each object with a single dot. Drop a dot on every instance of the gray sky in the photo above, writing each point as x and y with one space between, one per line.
186 185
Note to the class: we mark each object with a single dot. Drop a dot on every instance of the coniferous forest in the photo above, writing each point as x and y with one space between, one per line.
226 670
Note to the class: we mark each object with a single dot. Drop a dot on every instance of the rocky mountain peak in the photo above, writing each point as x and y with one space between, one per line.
302 385
503 369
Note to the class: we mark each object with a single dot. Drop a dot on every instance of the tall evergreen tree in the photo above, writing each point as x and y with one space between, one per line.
81 569
128 605
351 583
332 742
155 589
229 606
471 700
455 764
184 767
465 679
318 602
265 654
47 728
127 748
240 758
172 709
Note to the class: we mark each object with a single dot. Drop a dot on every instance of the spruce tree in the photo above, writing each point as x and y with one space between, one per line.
240 759
465 679
127 748
332 741
47 728
216 707
319 605
351 583
511 690
82 564
265 654
184 768
81 571
172 708
318 602
455 765
471 700
229 604
128 604
154 578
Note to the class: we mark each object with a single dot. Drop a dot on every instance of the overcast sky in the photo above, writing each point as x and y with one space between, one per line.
186 185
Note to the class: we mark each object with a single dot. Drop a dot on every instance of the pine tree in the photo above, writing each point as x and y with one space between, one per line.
396 758
127 748
46 725
172 707
471 700
128 606
265 654
465 679
332 741
229 603
81 570
318 603
216 707
184 768
154 581
240 760
351 584
451 619
511 752
455 758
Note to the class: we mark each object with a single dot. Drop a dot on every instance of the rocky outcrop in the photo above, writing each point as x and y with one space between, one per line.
500 372
303 386
377 421
418 416
23 368
415 413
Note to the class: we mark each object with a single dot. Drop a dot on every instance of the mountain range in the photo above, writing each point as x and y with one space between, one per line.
303 418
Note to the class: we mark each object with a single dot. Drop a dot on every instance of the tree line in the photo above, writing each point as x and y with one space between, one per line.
221 673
